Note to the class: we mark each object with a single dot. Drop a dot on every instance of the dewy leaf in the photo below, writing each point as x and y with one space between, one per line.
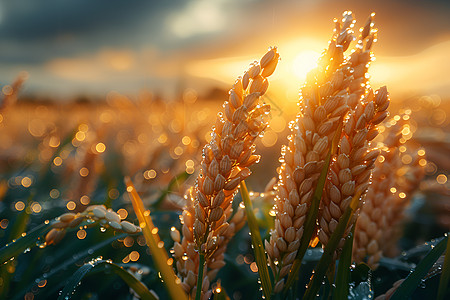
16 247
159 254
129 279
445 276
258 248
411 282
396 264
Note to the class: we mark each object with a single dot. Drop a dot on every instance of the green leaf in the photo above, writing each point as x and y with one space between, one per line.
411 282
395 264
258 248
445 276
129 279
18 246
343 272
70 260
419 250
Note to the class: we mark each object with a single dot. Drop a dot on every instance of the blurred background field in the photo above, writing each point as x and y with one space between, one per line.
133 89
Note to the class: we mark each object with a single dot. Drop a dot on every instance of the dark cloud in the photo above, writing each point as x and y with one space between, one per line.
49 19
35 31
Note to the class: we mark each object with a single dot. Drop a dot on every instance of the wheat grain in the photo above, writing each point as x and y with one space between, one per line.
206 227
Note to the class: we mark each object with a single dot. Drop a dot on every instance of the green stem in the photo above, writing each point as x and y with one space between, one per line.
201 266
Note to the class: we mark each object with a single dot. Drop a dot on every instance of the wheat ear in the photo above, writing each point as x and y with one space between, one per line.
325 100
206 226
350 170
94 213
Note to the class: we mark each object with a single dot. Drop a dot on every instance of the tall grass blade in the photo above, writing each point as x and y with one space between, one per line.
16 247
343 272
159 254
445 276
411 282
310 222
129 279
258 248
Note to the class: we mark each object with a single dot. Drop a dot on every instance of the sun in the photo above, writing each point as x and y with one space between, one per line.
304 62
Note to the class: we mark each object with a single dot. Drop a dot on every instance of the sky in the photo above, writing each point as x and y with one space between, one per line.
83 47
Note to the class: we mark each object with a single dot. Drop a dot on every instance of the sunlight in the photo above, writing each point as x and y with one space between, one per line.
304 62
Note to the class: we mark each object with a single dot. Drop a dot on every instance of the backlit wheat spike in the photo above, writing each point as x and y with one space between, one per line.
360 59
333 56
372 222
350 172
394 181
206 226
323 105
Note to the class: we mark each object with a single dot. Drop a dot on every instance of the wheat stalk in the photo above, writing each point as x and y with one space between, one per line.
330 91
206 227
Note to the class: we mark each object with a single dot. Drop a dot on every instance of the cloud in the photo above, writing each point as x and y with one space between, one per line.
198 17
116 43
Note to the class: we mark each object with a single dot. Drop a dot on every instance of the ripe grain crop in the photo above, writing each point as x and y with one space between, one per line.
207 221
